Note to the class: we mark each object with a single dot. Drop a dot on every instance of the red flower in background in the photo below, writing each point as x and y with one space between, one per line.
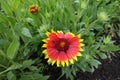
61 48
33 9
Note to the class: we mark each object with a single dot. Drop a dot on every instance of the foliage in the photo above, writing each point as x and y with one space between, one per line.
21 34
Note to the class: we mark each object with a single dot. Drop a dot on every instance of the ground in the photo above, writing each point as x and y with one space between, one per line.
109 70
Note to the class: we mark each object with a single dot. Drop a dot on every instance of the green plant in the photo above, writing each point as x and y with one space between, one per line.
21 34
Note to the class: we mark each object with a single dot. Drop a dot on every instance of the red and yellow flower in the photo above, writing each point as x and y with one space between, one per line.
61 48
33 9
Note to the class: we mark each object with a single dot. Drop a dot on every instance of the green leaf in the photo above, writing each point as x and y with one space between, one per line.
11 76
13 48
12 21
71 77
25 77
33 76
107 40
86 21
27 63
30 20
26 32
110 48
33 68
6 7
102 55
84 66
2 42
3 18
38 76
94 62
12 67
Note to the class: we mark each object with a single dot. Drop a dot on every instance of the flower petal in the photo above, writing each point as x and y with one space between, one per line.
68 36
62 56
63 63
79 54
58 63
74 41
44 51
81 40
47 33
53 62
46 56
44 45
60 35
53 37
81 44
50 44
52 53
67 64
71 61
75 58
49 60
81 49
44 40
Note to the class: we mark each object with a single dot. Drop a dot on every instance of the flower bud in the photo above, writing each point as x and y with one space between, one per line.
33 9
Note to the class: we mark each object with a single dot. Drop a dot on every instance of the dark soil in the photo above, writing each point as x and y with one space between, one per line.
108 70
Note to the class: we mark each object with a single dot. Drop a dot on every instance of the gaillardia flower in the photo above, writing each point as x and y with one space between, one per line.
33 9
61 48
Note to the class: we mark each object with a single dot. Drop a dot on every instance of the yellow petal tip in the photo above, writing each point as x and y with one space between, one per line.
67 64
44 51
79 54
47 33
53 62
82 44
81 49
44 40
46 57
44 45
71 61
79 35
81 40
75 58
63 63
58 63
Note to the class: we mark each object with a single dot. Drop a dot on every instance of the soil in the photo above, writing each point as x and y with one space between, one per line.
108 70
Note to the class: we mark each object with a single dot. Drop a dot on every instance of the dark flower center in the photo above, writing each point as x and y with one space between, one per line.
62 45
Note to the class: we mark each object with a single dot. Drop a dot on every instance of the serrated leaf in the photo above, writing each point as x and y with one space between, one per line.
110 48
80 66
107 40
26 32
13 48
